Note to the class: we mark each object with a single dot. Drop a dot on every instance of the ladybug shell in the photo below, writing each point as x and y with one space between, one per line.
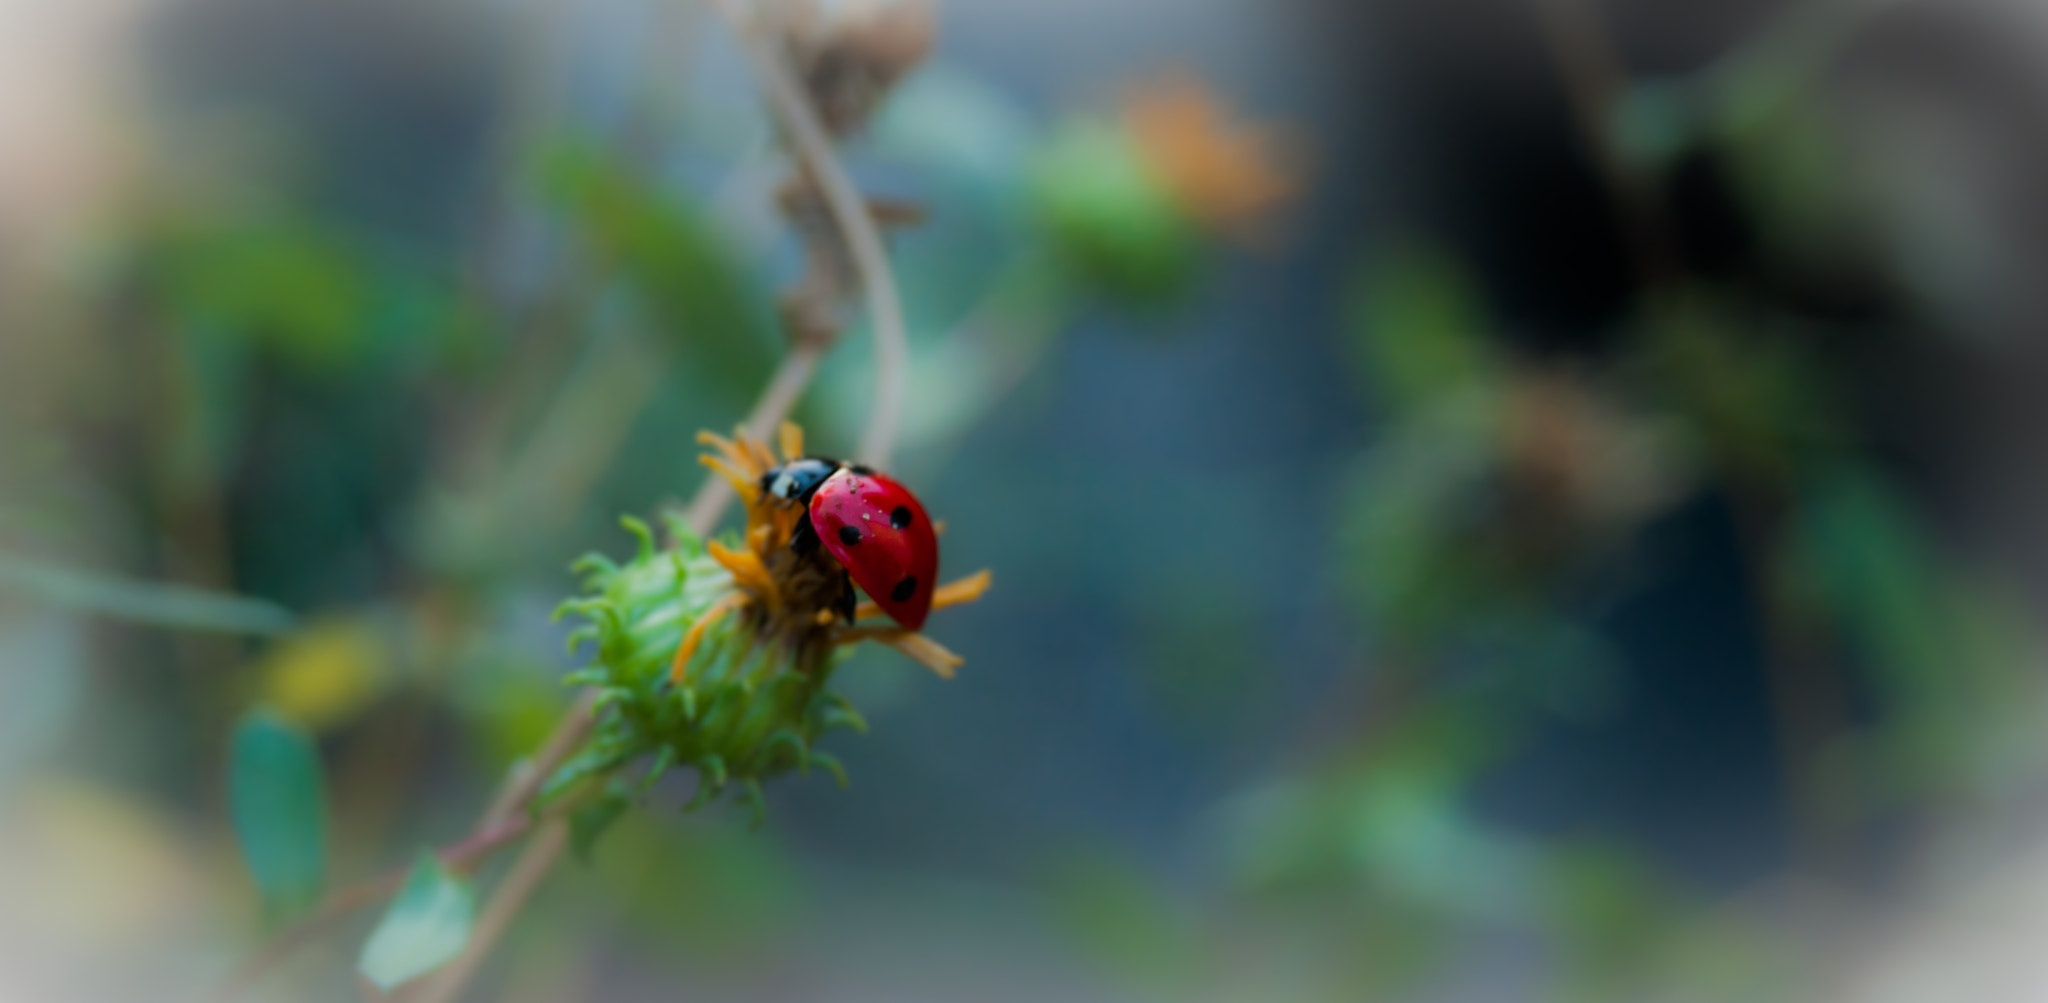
878 531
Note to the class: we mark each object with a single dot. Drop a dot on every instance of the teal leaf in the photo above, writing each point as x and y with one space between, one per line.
276 795
425 928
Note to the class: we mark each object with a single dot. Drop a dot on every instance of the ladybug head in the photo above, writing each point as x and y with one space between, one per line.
797 480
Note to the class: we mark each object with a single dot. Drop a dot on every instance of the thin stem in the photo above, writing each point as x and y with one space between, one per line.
813 147
778 399
527 873
506 819
892 354
346 902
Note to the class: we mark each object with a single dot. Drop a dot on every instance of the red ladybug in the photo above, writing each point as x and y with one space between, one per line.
873 526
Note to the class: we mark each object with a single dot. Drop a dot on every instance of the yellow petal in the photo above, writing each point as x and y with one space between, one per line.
953 593
736 454
792 436
761 536
712 613
747 570
748 488
756 451
963 590
725 446
921 649
926 651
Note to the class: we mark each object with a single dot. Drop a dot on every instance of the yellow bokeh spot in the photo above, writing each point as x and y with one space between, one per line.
327 674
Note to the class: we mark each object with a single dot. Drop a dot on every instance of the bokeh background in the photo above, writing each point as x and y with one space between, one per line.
1489 500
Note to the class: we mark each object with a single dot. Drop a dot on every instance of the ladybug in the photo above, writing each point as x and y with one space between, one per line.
874 527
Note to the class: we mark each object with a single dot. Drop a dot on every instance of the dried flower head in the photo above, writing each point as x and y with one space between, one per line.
850 53
718 654
1224 173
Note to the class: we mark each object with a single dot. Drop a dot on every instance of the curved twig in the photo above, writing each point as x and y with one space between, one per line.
863 239
778 399
534 863
506 819
813 147
527 872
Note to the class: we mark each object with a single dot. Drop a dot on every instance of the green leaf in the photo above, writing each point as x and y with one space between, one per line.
175 606
671 257
425 928
1111 218
1418 327
300 289
275 792
588 823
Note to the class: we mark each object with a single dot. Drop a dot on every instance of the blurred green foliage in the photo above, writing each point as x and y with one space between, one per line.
394 445
168 606
660 248
426 926
1111 216
1418 330
278 795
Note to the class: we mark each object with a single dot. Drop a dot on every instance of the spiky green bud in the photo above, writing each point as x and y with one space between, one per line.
746 708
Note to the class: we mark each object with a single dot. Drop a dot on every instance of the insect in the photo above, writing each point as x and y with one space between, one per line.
874 527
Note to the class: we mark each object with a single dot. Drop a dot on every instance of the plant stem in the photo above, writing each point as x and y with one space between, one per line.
778 399
813 148
527 873
347 901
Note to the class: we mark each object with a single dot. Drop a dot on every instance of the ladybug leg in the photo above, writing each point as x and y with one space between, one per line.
804 538
845 605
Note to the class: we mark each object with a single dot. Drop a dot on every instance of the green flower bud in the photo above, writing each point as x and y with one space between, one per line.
748 708
1112 217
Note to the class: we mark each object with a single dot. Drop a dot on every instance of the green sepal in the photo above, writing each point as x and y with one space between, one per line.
594 564
710 781
830 764
591 762
664 760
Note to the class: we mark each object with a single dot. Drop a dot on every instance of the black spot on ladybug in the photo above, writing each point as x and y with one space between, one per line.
862 470
900 518
904 589
849 535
